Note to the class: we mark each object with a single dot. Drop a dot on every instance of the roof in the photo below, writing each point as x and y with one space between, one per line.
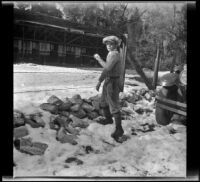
42 19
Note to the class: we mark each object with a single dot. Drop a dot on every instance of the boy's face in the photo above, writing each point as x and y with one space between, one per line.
111 46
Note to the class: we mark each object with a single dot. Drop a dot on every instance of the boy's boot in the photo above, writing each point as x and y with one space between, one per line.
118 130
107 115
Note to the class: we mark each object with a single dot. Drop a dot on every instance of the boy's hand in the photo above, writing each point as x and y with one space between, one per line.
98 86
97 57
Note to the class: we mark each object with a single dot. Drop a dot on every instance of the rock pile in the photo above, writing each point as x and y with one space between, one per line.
130 102
68 115
137 95
20 130
76 106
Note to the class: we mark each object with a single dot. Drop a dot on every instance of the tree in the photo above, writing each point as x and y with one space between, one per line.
47 9
165 25
134 28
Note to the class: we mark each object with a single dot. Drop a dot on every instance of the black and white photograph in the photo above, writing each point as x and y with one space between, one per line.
99 89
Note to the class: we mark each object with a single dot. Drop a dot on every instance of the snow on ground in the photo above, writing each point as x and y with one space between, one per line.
156 153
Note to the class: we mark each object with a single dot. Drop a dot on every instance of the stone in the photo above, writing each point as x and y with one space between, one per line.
75 107
18 114
179 128
87 107
123 103
65 106
18 143
131 106
80 113
54 100
63 137
29 147
68 100
147 127
128 111
61 121
54 126
18 118
38 120
142 92
19 122
131 100
64 113
123 96
88 101
178 119
76 99
72 130
148 110
99 118
139 110
152 93
88 149
148 97
133 131
134 98
39 114
95 102
92 115
49 107
32 123
76 122
96 105
40 145
74 159
20 131
171 130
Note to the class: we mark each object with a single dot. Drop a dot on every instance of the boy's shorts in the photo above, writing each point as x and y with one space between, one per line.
110 95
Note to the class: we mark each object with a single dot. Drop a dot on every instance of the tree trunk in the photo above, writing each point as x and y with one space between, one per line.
132 26
156 67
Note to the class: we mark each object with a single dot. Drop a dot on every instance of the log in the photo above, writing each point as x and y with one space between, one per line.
157 62
135 64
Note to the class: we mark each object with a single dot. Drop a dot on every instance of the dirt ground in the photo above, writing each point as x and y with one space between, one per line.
157 153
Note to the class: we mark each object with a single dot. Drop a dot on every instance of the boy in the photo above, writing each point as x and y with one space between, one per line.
111 89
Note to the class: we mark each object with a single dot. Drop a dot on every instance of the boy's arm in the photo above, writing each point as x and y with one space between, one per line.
102 62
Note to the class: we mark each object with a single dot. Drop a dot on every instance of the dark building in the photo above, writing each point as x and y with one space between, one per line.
44 39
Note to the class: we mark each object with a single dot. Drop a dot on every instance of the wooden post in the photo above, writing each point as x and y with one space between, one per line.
156 67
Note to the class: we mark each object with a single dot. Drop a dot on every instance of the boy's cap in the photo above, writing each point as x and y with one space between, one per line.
113 39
